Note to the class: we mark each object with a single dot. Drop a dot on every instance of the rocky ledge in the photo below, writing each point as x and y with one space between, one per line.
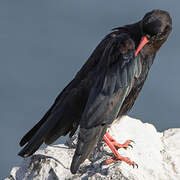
156 153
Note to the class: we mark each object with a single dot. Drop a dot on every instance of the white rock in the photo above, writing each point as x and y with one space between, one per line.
157 155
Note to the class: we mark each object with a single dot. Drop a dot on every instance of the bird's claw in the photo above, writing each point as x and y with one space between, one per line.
134 164
114 146
121 158
132 141
130 145
126 144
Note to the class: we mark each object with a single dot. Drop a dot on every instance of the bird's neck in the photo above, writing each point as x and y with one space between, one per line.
148 52
135 30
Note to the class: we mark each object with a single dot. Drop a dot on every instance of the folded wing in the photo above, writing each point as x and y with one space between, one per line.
114 78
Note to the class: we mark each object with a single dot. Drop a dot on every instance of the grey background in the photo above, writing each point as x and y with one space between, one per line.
44 43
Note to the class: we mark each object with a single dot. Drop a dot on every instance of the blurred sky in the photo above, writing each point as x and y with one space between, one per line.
43 43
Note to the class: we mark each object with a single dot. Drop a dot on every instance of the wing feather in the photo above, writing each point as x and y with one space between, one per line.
114 80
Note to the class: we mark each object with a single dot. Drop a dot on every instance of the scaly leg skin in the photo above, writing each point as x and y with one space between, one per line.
113 145
117 145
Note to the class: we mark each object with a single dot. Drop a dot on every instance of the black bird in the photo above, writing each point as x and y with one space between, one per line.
105 88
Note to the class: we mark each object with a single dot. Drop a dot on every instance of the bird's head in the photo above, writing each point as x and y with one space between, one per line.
156 26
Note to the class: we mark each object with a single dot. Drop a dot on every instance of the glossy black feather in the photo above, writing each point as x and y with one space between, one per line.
117 70
105 87
113 79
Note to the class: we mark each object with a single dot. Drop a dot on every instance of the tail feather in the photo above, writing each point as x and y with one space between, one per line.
87 140
54 135
38 138
33 131
30 148
62 128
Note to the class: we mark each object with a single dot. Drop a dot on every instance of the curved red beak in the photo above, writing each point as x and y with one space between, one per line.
143 42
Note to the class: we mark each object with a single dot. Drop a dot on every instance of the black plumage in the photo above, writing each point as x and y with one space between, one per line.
106 87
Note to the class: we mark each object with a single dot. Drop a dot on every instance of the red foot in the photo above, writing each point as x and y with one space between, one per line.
113 145
116 144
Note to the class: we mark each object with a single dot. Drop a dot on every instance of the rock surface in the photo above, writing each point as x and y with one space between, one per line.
157 155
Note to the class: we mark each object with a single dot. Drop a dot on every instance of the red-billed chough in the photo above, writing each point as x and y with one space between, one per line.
105 88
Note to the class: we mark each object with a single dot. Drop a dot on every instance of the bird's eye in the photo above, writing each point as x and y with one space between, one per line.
167 28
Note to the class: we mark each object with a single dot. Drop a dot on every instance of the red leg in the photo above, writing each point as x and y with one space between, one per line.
116 144
107 138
